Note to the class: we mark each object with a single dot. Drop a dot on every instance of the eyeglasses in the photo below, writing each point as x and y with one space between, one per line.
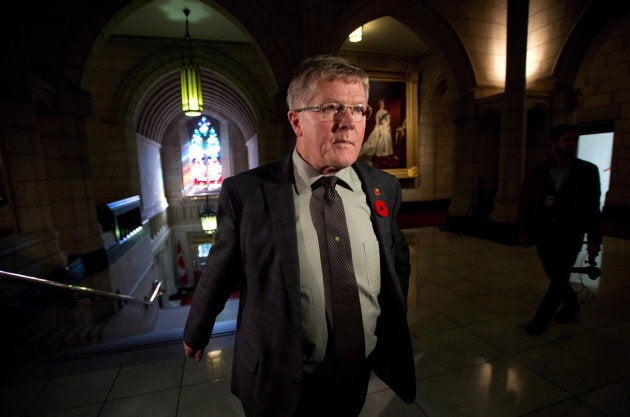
335 111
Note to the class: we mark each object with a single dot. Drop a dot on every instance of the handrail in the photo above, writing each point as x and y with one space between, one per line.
123 298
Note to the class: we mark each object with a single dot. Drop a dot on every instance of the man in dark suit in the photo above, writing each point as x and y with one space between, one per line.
269 245
559 205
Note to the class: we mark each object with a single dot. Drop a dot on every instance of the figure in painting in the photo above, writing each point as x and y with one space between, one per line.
379 143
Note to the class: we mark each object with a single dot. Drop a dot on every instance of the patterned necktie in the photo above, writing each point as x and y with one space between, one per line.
347 323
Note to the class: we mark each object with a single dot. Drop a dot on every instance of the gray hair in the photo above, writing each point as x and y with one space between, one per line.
322 67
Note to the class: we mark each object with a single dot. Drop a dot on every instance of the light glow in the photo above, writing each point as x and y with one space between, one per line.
192 98
208 220
498 59
356 35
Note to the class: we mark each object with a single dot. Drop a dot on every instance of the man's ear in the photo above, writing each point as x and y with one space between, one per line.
294 119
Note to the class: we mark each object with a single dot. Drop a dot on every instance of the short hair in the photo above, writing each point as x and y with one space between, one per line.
326 67
560 130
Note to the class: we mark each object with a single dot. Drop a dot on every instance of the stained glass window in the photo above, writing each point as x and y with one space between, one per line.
201 159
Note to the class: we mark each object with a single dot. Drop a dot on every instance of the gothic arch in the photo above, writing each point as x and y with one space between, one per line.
596 16
156 79
149 99
428 24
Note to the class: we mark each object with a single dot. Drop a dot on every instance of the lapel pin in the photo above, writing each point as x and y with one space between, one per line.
377 191
381 208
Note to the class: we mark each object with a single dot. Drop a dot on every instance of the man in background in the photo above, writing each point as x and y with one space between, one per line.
559 205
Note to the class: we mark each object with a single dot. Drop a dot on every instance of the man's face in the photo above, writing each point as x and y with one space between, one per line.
566 145
330 145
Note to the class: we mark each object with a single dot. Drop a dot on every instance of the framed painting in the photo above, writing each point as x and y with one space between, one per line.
390 133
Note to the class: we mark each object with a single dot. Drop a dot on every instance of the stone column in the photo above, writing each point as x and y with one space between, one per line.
513 129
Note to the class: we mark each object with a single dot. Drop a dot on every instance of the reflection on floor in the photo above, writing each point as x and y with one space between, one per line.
469 301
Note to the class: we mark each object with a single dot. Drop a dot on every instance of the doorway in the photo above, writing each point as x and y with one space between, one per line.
597 148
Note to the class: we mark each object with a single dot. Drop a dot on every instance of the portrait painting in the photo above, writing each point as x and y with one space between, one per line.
385 143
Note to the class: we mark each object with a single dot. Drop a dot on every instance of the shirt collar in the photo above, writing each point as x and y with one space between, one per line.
306 175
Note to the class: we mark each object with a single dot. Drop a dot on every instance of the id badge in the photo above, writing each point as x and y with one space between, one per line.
549 200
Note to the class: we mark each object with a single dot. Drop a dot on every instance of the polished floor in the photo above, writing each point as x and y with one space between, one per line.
469 301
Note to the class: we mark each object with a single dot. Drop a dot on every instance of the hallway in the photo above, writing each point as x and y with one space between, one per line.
469 301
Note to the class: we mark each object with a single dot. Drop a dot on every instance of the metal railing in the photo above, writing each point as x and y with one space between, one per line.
122 298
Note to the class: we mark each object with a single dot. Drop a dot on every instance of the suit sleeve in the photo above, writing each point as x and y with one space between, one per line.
220 278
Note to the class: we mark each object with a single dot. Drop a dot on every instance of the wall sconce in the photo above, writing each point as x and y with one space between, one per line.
208 218
356 35
192 100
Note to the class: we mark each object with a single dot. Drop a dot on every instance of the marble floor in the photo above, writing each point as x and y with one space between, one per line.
469 301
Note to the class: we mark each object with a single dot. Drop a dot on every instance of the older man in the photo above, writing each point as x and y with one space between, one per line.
312 243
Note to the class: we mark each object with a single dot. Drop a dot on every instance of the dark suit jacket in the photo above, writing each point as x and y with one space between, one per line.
256 252
575 206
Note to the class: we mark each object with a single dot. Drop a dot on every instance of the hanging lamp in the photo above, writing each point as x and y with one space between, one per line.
192 99
208 218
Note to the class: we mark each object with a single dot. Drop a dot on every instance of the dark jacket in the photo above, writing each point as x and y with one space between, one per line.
256 252
575 208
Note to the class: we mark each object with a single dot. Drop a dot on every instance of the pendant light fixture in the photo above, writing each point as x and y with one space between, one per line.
208 218
192 100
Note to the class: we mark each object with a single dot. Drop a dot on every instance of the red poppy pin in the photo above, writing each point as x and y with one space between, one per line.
381 208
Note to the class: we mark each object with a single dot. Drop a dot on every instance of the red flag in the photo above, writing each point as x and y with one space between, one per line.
181 266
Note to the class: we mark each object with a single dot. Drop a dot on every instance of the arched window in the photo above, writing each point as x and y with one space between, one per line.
201 159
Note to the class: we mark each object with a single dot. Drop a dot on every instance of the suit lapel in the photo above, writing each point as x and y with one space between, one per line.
375 190
279 198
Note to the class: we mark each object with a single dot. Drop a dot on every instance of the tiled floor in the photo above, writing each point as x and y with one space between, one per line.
469 301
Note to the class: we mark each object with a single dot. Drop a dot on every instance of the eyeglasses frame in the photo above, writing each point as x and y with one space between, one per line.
367 113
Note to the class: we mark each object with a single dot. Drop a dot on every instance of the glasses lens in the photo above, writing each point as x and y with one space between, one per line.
357 112
330 110
335 111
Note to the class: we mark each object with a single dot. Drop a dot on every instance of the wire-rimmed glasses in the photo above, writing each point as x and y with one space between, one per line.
335 111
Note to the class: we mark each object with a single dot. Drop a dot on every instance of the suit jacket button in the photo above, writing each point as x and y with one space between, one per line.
297 381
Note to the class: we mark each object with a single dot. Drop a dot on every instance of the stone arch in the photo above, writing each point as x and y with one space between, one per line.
91 31
594 19
430 26
275 40
149 98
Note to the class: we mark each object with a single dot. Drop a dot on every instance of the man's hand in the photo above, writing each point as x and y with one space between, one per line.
196 354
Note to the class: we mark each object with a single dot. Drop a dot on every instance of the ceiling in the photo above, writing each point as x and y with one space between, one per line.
165 18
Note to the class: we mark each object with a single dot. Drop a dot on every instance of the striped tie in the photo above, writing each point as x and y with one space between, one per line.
347 323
